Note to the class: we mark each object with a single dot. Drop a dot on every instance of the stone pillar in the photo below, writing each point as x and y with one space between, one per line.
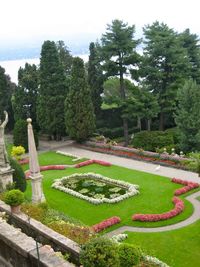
35 175
6 176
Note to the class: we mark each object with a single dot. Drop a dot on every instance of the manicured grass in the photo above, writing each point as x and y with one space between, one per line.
51 158
155 196
178 248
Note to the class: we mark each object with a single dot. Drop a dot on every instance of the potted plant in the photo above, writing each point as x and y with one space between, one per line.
14 198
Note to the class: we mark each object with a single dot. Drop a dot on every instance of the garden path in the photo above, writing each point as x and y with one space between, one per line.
195 217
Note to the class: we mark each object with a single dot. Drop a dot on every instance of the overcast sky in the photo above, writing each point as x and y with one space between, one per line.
32 20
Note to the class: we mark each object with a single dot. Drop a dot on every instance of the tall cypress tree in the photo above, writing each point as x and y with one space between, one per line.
95 78
25 96
52 92
79 112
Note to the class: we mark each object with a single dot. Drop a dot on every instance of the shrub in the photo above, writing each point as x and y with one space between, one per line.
14 197
100 252
151 140
17 152
129 255
20 135
18 175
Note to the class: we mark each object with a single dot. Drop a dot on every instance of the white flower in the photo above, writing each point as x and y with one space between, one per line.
131 188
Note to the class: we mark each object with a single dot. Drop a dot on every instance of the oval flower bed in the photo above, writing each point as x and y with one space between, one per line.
179 207
95 188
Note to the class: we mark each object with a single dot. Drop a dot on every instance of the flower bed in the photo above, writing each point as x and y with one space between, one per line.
95 197
138 154
75 158
105 224
92 161
47 168
188 186
179 207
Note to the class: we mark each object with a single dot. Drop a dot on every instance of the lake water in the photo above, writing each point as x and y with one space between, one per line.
12 66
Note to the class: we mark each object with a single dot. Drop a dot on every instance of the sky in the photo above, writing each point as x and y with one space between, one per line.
30 21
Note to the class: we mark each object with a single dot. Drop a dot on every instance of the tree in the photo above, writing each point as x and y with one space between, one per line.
95 78
52 92
165 66
143 105
119 56
6 90
187 116
79 112
65 57
25 95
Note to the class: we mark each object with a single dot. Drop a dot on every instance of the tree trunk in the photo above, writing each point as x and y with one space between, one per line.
161 122
123 97
125 126
149 125
139 124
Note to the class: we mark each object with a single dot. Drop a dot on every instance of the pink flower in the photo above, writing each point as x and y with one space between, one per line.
106 223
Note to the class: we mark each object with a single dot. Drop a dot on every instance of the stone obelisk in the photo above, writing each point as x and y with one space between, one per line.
5 169
35 175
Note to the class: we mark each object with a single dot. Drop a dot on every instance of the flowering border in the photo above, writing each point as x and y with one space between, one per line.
47 168
105 224
75 158
132 189
179 207
188 186
92 161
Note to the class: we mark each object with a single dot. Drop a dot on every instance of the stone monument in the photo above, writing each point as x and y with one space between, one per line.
35 175
5 169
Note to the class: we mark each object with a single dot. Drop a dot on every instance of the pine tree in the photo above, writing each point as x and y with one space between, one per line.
25 96
79 112
165 66
119 57
52 92
187 116
65 57
95 78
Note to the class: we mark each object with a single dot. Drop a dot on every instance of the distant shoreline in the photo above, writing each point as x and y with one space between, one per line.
12 66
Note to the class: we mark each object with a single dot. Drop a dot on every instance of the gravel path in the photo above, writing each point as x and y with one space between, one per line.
195 217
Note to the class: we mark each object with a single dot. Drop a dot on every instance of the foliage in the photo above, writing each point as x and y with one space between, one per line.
25 95
95 78
18 175
187 116
100 252
65 57
20 135
6 90
194 163
151 140
119 56
129 255
79 113
17 152
165 66
14 197
52 92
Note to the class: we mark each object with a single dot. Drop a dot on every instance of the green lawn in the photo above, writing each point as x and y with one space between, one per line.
178 248
155 196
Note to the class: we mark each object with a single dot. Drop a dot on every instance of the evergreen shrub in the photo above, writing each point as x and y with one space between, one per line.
18 175
151 140
100 252
129 255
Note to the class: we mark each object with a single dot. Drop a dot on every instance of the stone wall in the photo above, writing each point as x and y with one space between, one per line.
19 250
43 234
